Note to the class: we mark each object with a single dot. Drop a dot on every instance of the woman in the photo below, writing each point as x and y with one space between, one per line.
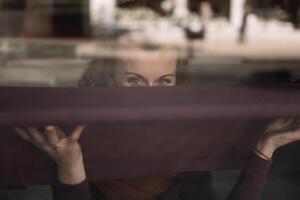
149 68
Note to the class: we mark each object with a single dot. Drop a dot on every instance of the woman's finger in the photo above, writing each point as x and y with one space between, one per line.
24 135
61 134
281 125
77 133
36 137
52 136
295 134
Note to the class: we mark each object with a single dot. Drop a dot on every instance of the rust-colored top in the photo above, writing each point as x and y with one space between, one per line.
144 188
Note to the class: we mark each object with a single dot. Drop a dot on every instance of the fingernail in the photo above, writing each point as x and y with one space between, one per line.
49 128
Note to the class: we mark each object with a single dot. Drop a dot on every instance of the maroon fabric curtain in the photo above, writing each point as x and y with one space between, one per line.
135 132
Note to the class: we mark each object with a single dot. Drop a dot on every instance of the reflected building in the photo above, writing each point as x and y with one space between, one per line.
81 18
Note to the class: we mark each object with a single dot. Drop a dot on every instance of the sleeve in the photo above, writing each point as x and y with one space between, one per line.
252 179
197 185
63 191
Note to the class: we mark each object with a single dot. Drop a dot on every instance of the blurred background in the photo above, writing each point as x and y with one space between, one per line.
226 41
51 43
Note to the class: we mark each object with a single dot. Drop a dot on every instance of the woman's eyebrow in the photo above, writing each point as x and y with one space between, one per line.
138 75
166 76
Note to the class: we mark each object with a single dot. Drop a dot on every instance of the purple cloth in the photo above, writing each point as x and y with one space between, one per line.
141 131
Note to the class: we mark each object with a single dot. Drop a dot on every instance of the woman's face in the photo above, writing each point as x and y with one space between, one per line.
157 69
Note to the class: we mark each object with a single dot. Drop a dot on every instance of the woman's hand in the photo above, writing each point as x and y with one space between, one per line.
278 133
65 151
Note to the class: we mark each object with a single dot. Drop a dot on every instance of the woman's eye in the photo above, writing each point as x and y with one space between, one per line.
134 81
165 81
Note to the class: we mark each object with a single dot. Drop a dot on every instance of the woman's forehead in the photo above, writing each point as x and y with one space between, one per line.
151 64
157 57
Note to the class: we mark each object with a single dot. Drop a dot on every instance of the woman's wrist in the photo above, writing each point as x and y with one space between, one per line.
265 148
73 175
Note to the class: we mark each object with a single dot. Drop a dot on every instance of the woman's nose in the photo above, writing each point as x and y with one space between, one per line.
151 84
